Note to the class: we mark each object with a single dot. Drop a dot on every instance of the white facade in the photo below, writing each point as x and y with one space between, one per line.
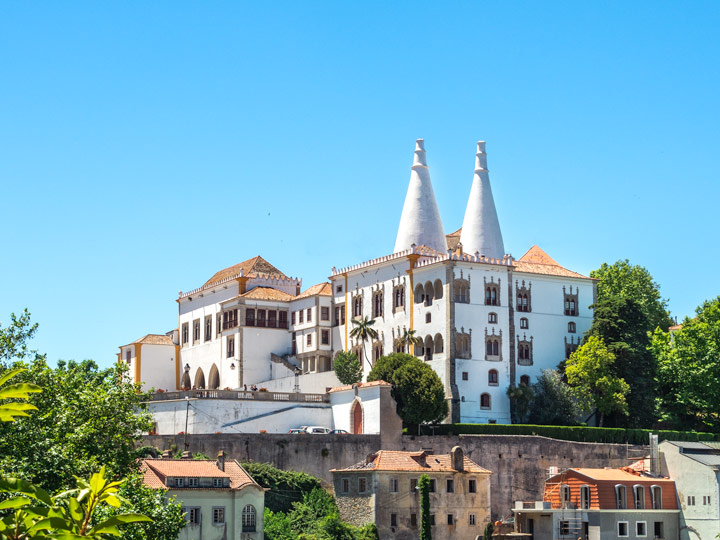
486 319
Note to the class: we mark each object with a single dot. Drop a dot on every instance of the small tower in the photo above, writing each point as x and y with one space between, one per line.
420 223
481 228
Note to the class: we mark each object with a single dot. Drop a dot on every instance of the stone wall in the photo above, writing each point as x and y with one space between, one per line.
519 463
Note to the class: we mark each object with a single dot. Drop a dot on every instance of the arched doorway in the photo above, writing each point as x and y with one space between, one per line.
214 379
356 417
199 379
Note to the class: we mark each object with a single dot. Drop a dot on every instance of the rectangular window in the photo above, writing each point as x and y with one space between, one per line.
196 331
691 500
193 482
413 485
432 520
192 515
345 485
339 315
622 528
338 288
218 515
272 318
282 319
185 334
472 486
472 520
325 337
301 316
450 519
324 313
179 482
464 375
393 520
260 321
218 482
450 485
362 485
413 520
432 485
292 318
309 314
249 317
230 318
208 328
640 528
393 485
308 340
218 324
127 357
231 347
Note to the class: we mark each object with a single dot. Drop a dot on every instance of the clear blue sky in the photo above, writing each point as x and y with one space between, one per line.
144 146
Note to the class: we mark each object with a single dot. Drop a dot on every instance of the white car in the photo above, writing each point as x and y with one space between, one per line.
317 429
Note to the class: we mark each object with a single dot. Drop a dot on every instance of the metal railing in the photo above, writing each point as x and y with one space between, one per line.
241 394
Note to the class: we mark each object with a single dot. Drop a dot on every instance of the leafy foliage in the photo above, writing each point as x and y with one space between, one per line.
286 487
409 338
348 368
590 374
553 402
9 412
424 489
626 281
521 398
14 338
363 331
489 529
417 389
689 370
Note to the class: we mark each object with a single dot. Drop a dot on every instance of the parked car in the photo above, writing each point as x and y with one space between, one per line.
338 432
317 429
297 430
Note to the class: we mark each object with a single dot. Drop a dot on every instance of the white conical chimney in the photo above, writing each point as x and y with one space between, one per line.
420 222
481 228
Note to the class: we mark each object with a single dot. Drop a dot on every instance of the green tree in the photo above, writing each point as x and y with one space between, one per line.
424 489
14 338
363 331
553 402
409 339
589 372
624 328
417 389
689 370
624 280
348 368
285 487
521 398
489 529
9 412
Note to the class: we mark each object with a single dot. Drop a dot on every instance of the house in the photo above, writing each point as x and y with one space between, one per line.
220 499
695 468
601 504
382 489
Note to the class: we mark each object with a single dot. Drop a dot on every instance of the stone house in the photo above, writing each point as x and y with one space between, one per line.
383 489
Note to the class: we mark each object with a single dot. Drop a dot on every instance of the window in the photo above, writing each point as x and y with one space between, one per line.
472 486
192 515
218 515
393 520
464 375
462 345
432 485
432 520
292 318
249 318
492 347
691 500
462 291
659 529
565 495
570 302
524 324
472 520
260 321
230 318
231 346
492 295
393 485
450 485
428 318
301 317
339 288
622 528
493 377
218 324
413 485
193 482
398 297
282 319
218 482
208 328
345 485
525 352
325 336
620 497
377 310
377 350
429 294
485 401
450 519
639 496
196 330
127 357
640 528
525 379
185 337
656 496
339 315
308 340
179 482
492 318
571 327
584 497
272 318
309 314
357 306
324 313
413 520
249 518
362 485
706 499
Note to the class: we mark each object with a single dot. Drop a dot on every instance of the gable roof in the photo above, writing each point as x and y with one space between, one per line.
453 239
393 460
267 293
616 475
153 339
536 261
156 471
256 265
323 289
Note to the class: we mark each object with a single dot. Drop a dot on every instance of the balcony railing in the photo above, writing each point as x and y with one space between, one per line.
241 394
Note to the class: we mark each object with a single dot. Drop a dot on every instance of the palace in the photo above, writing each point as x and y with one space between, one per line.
485 319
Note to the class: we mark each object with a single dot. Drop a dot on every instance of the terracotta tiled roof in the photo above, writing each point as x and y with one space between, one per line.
536 261
254 266
155 471
453 239
675 327
323 289
267 293
153 339
360 385
617 475
392 460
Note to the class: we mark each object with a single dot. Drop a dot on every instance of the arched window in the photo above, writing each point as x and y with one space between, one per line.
485 401
620 497
438 344
496 345
462 345
571 327
429 346
493 377
565 496
525 380
358 306
525 353
377 351
249 518
656 496
438 289
492 318
584 497
398 297
524 324
429 293
377 304
462 291
639 496
419 294
491 295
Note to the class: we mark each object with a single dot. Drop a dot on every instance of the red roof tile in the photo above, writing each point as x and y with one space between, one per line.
256 265
323 289
155 471
267 293
392 460
360 385
536 261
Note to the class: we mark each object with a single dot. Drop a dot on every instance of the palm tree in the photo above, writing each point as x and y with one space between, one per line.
362 331
409 339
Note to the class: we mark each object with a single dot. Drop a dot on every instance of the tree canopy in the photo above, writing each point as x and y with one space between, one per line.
552 402
347 367
689 370
417 389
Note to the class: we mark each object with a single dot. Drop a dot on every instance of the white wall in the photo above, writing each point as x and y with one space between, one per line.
311 383
342 401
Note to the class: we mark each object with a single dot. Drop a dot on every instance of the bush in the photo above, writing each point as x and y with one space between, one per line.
286 487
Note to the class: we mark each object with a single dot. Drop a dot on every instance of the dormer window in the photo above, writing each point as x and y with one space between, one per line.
179 482
193 482
218 482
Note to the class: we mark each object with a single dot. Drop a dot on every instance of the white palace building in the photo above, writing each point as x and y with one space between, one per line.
486 320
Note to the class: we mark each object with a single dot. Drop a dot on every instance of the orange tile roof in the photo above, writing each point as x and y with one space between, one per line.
323 289
267 293
155 471
536 261
617 475
453 239
360 385
393 460
152 339
254 266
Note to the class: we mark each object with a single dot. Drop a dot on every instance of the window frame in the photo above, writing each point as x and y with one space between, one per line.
218 511
627 529
637 532
249 524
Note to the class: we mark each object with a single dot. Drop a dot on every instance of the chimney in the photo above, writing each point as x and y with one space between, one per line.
457 459
221 460
186 455
370 458
167 454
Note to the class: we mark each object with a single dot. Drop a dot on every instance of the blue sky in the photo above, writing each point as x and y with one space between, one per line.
144 146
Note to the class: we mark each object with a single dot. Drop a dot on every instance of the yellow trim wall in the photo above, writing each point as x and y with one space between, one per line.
177 367
138 372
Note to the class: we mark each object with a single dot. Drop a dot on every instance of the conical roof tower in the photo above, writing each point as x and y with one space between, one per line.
481 228
420 223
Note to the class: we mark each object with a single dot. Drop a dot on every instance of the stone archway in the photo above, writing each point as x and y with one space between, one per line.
356 418
199 379
214 378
